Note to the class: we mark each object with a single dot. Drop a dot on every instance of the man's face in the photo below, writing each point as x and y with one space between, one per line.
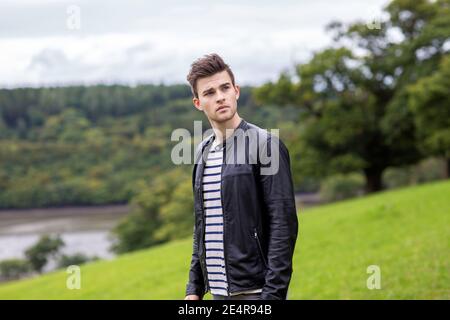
217 97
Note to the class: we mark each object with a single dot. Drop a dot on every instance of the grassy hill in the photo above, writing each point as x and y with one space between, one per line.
405 232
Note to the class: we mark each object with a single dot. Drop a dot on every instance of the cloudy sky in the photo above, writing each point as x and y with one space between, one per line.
50 42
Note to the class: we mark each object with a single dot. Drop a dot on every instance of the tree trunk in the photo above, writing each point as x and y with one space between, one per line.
373 180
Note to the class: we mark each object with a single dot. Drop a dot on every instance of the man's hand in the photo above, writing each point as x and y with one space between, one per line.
192 297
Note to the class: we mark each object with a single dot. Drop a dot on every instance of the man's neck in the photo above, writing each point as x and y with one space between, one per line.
223 130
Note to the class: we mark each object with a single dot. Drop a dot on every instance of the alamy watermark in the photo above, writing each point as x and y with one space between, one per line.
73 281
251 146
73 21
374 280
374 24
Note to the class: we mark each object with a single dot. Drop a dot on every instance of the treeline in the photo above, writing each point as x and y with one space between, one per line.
92 145
24 109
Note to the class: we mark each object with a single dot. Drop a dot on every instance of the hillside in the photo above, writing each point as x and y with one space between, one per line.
405 232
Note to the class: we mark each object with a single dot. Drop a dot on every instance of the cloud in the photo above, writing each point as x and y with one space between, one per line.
48 59
156 41
52 66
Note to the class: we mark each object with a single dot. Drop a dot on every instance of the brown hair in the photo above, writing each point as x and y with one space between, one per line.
206 66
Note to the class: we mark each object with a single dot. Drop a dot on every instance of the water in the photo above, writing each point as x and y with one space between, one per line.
83 229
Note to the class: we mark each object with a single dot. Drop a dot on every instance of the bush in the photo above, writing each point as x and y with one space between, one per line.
134 232
39 254
76 259
397 177
430 169
176 216
13 269
339 187
156 207
427 170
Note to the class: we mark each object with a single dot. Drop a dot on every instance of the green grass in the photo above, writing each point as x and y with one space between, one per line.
405 232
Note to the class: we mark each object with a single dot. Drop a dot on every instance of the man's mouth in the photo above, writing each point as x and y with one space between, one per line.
221 108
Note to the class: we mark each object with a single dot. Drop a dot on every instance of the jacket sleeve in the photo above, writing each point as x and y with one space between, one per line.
278 193
196 284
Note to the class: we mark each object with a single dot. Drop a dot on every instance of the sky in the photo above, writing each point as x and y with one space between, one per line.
50 42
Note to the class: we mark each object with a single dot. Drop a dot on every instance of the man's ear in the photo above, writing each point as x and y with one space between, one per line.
238 91
196 103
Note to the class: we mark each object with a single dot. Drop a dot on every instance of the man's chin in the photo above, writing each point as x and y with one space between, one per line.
223 118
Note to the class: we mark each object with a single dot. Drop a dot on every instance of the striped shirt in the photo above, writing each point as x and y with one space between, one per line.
212 203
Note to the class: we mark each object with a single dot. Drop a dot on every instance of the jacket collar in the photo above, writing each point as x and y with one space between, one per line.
242 126
206 145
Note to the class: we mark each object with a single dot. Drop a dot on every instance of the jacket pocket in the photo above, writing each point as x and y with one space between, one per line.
261 253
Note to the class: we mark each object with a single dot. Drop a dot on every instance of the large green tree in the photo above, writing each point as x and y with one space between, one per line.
353 95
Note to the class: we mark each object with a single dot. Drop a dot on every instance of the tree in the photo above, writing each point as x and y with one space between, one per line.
353 96
177 216
46 248
430 102
141 228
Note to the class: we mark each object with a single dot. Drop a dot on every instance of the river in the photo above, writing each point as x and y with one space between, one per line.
83 229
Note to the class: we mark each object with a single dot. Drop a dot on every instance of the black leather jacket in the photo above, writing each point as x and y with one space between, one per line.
260 219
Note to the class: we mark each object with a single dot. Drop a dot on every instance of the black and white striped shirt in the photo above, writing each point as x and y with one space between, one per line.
212 202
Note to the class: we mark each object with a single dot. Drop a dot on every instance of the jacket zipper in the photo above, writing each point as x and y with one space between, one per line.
203 259
260 248
223 213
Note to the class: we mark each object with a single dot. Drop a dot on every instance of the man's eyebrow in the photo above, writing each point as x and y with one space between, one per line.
212 89
208 90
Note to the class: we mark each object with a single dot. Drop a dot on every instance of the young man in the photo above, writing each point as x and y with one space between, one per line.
245 215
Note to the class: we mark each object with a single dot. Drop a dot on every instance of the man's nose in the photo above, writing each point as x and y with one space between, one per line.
220 96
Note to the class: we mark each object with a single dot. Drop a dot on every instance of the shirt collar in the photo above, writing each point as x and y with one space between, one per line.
236 132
